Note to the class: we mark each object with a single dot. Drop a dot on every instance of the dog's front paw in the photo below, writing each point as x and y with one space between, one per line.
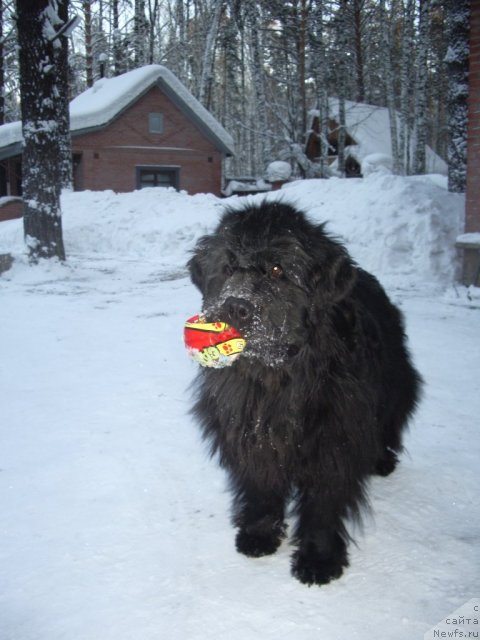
256 545
310 568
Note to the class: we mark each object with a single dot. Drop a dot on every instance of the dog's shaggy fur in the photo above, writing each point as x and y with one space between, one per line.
318 400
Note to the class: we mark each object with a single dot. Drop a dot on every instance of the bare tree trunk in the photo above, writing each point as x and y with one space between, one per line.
259 84
359 70
342 89
153 8
458 13
182 41
301 43
341 135
208 56
118 66
140 33
62 103
406 86
39 88
320 73
2 70
390 87
419 159
87 16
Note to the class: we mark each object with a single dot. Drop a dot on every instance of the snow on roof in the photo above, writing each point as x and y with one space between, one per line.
369 126
100 104
10 133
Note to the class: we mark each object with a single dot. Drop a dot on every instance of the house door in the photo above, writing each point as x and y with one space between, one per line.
157 176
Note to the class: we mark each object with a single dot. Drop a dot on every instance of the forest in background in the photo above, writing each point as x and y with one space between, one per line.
261 67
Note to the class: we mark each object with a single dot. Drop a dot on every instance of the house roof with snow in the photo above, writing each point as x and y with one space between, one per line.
109 97
369 126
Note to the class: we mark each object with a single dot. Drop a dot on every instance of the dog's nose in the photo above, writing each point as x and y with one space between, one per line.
238 310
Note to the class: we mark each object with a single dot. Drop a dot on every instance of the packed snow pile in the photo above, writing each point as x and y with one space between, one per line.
278 170
401 229
376 162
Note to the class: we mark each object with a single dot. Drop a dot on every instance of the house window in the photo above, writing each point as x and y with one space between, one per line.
158 177
155 122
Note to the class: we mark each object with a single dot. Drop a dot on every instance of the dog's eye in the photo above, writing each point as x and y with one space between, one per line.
227 270
276 271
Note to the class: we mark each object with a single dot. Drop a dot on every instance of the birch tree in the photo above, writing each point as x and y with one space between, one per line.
208 55
36 25
419 158
390 87
406 85
257 63
87 20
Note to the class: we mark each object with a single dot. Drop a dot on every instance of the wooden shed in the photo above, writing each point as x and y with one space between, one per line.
367 139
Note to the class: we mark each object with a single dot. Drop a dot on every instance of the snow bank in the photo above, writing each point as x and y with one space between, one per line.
401 229
376 162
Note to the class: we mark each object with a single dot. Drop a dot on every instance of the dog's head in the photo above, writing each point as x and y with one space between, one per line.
267 271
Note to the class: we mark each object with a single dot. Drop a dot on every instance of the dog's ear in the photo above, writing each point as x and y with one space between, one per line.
334 275
196 271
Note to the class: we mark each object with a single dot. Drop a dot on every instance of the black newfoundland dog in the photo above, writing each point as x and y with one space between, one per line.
318 400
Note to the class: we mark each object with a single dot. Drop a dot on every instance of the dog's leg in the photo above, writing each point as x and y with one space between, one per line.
320 535
387 463
259 515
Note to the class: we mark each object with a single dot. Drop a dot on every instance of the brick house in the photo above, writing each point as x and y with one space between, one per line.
140 129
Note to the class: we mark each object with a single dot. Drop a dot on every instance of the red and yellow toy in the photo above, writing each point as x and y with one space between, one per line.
212 344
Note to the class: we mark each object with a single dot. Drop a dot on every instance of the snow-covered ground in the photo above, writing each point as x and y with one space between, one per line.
114 522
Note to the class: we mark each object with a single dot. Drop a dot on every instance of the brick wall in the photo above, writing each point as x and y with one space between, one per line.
471 254
472 214
109 156
10 208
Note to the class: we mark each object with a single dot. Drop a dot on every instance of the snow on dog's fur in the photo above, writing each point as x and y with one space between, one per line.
319 398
